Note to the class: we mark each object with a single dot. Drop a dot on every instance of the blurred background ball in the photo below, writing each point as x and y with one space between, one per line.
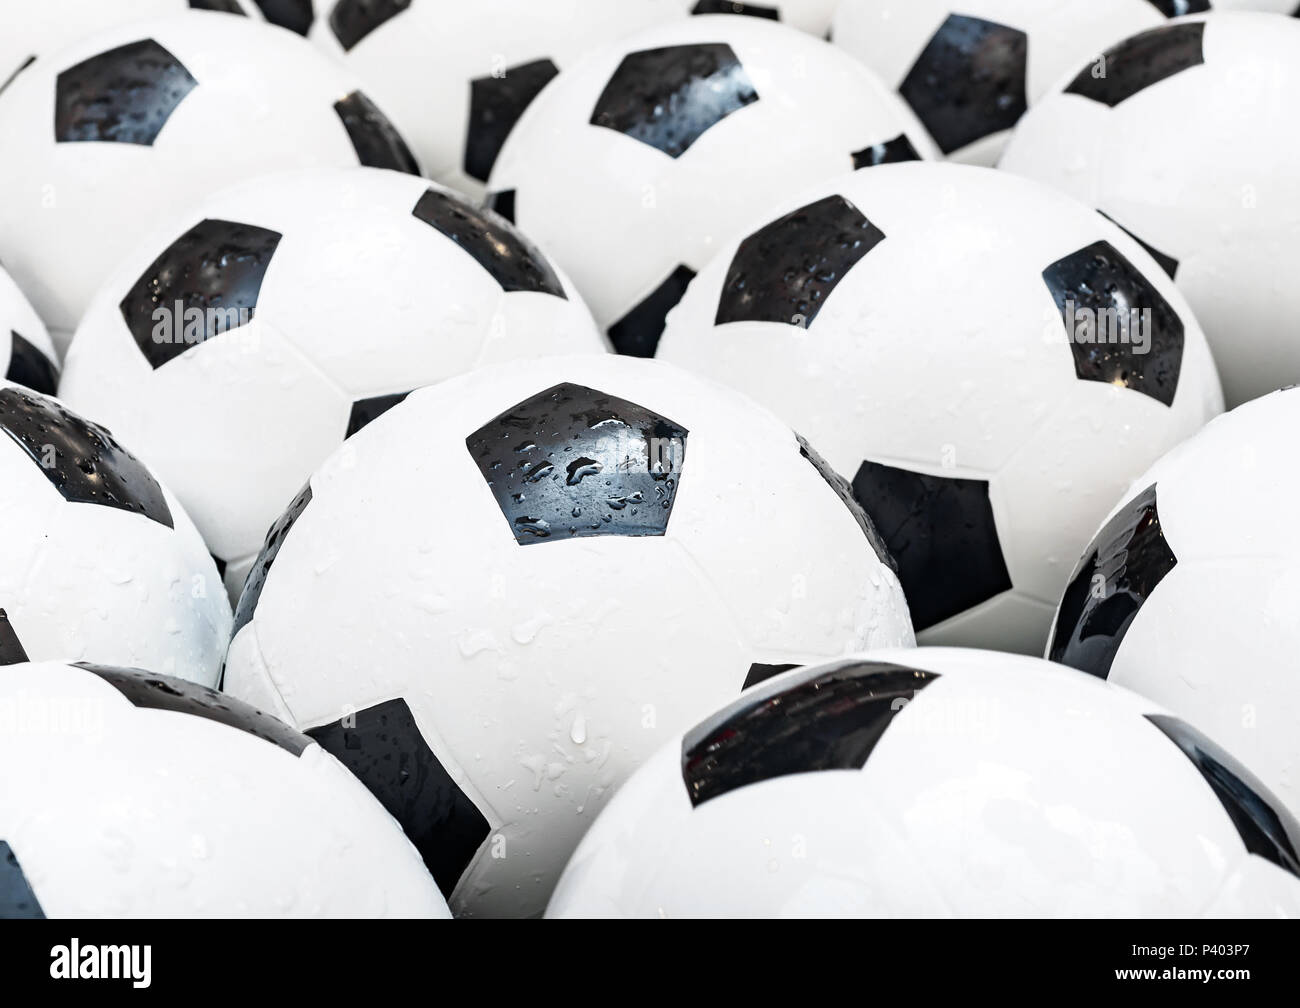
97 560
970 70
315 300
938 783
188 804
1188 594
911 321
26 354
635 165
508 590
1189 142
126 128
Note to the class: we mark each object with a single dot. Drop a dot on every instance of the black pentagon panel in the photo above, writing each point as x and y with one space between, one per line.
28 366
762 673
384 748
366 410
638 332
1179 8
353 20
889 152
969 81
1165 261
221 565
213 273
296 15
81 459
275 538
495 105
1266 827
17 901
1122 567
166 693
1120 329
125 95
501 203
224 6
572 461
1140 61
940 530
784 271
736 7
824 720
491 241
668 98
845 493
11 648
374 138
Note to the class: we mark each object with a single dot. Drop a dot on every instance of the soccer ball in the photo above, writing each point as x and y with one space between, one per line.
26 353
50 25
1191 146
185 803
633 167
456 76
509 589
938 783
140 121
1172 557
280 317
97 560
989 362
970 70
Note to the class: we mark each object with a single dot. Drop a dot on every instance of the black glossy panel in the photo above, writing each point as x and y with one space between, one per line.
366 410
296 15
11 648
29 367
495 105
1141 61
275 538
890 152
1167 262
125 95
638 332
374 138
353 20
17 901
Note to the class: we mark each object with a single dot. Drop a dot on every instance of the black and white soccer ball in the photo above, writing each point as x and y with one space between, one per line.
336 293
26 354
938 783
137 122
634 166
129 794
1181 602
970 70
97 560
1191 146
521 581
958 343
46 27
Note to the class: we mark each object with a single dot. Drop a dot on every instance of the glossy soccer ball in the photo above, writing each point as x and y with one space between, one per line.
938 783
508 590
1179 602
26 354
97 561
969 70
633 167
136 123
279 318
183 802
989 362
1191 146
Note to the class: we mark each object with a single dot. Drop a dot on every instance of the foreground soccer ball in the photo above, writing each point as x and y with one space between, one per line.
1191 146
958 342
279 318
938 783
456 76
507 591
138 122
26 353
125 794
633 167
97 560
1178 601
969 70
